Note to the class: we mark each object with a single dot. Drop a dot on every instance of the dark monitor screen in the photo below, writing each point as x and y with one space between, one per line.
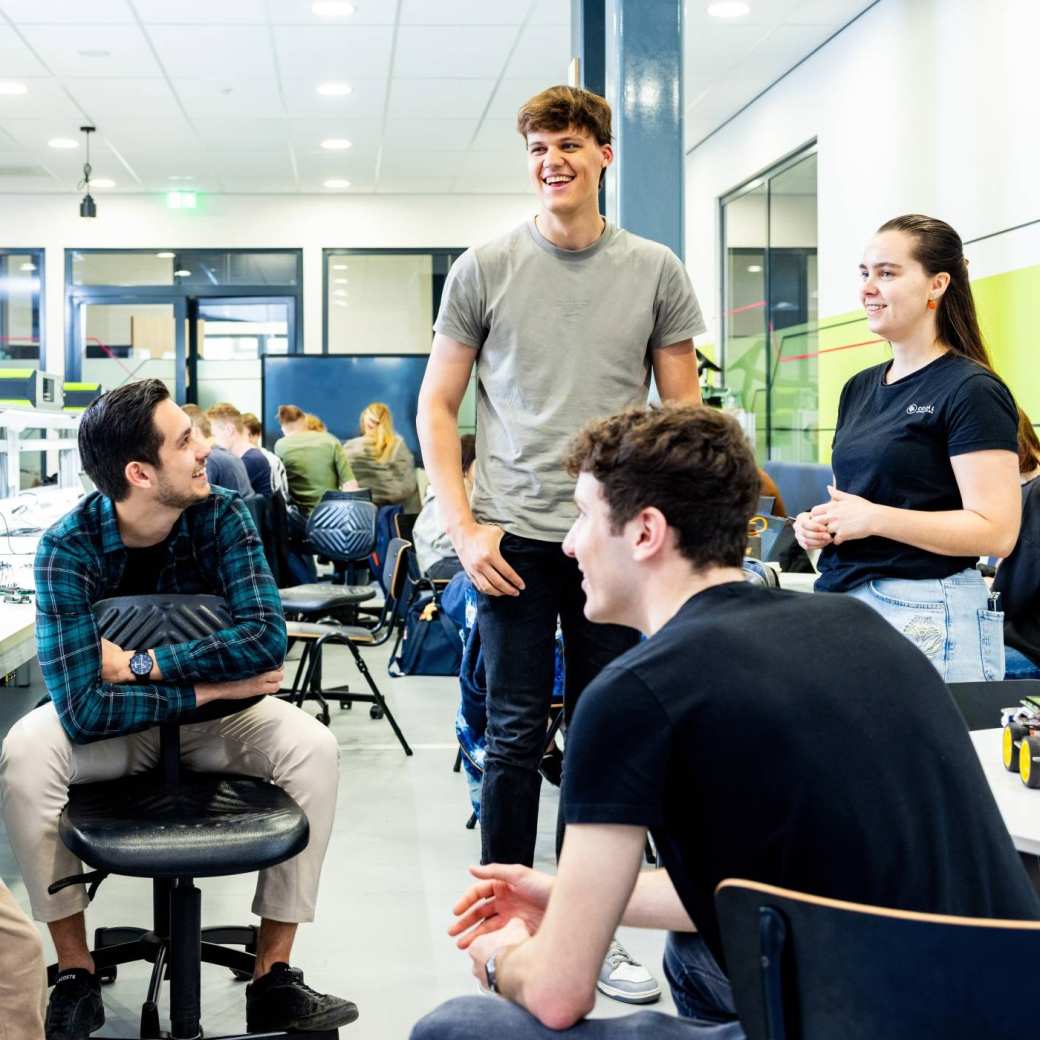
337 387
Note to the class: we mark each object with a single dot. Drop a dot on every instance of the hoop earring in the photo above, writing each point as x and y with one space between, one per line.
932 305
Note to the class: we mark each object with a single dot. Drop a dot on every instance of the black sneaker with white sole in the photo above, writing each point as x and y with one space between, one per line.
280 1001
74 1010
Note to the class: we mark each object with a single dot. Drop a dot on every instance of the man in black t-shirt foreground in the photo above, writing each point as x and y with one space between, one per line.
797 740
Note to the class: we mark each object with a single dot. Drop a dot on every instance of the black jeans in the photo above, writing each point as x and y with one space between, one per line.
518 636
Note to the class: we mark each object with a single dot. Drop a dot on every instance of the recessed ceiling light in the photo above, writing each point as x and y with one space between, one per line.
339 267
28 266
334 89
332 9
103 182
728 9
754 268
182 273
335 144
94 52
336 182
341 281
166 255
181 177
9 86
63 142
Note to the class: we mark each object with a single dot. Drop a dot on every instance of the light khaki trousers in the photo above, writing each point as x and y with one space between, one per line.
23 978
272 740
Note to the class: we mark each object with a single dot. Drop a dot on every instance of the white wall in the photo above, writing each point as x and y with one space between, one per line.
242 221
919 106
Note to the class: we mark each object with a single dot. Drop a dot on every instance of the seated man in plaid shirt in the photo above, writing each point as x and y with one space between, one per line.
156 525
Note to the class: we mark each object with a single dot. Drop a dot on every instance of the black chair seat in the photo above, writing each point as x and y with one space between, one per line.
318 597
209 825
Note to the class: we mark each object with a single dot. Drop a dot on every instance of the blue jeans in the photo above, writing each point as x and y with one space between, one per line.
518 641
947 619
1018 666
701 992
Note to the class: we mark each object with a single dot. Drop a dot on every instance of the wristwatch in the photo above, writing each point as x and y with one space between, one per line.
489 970
141 664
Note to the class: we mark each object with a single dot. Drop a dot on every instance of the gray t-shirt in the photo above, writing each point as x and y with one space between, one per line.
561 337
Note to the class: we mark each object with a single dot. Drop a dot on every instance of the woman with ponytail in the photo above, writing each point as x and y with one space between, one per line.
381 460
925 458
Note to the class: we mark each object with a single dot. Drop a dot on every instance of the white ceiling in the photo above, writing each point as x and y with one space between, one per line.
220 95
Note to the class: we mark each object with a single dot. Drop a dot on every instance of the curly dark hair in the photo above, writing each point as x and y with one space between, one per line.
691 462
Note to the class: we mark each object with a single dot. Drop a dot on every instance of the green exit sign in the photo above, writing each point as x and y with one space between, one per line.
181 199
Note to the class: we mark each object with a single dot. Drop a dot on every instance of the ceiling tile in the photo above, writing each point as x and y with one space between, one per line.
64 12
45 98
308 134
134 134
16 59
122 50
832 13
318 53
406 162
500 135
464 12
160 163
366 99
440 98
414 185
201 12
470 52
144 99
552 12
435 134
252 97
257 186
511 94
543 52
267 165
214 53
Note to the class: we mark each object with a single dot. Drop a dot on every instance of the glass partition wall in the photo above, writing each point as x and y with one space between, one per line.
21 308
197 319
769 307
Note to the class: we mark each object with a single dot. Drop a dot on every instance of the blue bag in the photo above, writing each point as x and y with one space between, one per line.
431 643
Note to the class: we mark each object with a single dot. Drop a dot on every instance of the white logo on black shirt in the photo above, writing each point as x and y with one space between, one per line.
921 409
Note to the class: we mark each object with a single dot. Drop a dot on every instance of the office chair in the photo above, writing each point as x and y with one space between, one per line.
173 825
807 968
316 636
980 702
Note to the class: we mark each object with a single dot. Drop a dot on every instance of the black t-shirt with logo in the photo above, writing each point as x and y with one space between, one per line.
807 770
893 444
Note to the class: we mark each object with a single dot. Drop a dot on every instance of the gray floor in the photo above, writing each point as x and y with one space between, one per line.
396 864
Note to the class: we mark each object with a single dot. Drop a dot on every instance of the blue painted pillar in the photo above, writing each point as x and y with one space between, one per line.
588 43
643 66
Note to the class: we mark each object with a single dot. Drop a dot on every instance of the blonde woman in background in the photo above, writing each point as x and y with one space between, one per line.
381 460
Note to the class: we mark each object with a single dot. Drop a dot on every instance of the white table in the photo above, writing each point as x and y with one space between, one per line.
17 635
797 582
1019 805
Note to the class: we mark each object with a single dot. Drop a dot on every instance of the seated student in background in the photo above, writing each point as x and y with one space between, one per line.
254 431
223 469
1018 576
381 460
23 975
156 525
229 433
314 423
433 546
748 761
925 458
315 462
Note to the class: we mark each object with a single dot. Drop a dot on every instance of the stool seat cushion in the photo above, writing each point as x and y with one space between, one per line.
208 825
312 630
319 596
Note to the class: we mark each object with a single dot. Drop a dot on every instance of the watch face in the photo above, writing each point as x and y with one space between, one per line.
141 664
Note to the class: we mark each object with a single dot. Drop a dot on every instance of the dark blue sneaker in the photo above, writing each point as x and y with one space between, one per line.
74 1010
279 1001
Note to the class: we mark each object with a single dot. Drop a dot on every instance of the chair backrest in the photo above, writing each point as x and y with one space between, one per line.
802 485
980 702
404 525
394 575
343 529
806 968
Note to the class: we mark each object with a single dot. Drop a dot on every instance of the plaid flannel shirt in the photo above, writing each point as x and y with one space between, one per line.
213 548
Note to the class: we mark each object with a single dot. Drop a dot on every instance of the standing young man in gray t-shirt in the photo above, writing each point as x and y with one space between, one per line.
564 317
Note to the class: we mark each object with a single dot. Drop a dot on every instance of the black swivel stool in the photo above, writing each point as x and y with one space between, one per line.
174 825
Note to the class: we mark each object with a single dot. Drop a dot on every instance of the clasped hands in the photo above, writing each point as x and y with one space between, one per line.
503 908
843 519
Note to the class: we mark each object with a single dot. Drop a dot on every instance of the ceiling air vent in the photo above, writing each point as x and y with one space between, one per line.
22 171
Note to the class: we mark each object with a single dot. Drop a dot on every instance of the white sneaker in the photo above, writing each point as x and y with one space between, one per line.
626 979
